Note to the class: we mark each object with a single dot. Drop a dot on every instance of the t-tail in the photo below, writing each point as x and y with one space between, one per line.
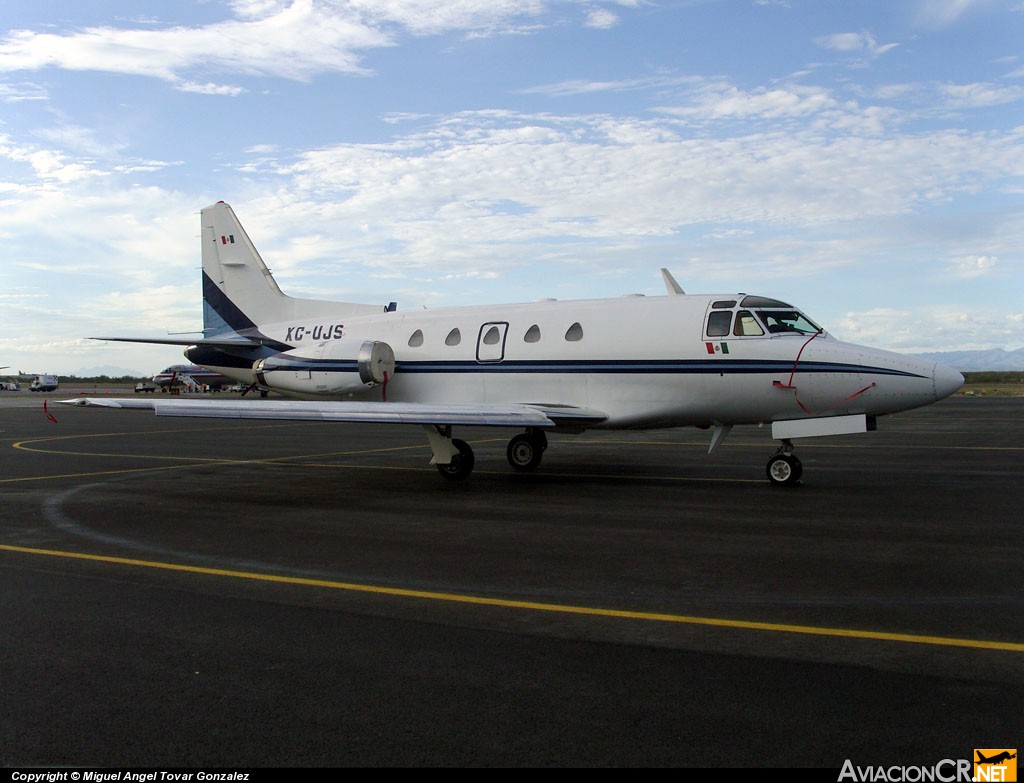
240 295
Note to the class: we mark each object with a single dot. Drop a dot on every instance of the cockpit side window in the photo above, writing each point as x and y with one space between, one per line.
719 322
747 325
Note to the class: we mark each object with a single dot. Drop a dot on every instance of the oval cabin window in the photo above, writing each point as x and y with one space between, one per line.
532 334
416 339
574 333
454 337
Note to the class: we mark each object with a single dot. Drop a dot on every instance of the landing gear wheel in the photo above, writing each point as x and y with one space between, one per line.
784 470
461 464
525 450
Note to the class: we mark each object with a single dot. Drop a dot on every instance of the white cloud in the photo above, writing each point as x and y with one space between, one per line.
927 329
854 42
431 17
601 19
51 165
294 41
724 101
81 140
979 95
209 88
941 13
602 178
586 86
15 93
974 266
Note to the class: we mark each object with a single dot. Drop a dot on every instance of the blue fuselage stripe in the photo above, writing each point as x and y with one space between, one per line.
630 366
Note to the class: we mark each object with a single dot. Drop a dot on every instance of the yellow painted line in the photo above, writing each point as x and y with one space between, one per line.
190 462
212 462
204 460
288 462
97 473
941 641
134 433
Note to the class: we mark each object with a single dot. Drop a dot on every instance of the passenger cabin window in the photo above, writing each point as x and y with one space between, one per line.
454 337
492 337
416 339
747 325
532 334
574 333
719 323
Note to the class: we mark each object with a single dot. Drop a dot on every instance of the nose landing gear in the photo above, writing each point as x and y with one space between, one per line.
784 469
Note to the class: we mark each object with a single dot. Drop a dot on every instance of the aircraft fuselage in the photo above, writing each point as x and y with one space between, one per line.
641 361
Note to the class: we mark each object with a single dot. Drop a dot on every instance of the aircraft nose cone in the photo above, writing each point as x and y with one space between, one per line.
947 381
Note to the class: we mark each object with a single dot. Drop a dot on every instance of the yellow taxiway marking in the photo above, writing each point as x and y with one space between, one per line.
184 463
939 641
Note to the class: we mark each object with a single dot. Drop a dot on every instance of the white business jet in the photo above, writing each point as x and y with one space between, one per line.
637 362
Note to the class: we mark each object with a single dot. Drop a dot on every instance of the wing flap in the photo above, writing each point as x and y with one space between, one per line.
482 414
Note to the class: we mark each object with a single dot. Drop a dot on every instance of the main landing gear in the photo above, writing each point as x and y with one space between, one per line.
454 458
526 449
461 464
784 469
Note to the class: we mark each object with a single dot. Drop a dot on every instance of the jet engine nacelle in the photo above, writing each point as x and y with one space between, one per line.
332 368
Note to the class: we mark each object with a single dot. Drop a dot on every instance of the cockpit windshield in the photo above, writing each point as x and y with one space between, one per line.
780 321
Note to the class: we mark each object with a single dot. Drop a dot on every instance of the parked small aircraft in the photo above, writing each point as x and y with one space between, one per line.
637 362
190 373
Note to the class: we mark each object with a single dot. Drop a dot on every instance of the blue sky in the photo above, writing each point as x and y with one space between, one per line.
861 160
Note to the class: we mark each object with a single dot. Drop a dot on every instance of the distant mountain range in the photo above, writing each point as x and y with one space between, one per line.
993 360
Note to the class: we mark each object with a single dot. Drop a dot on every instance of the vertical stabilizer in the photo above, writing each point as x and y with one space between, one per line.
670 283
239 292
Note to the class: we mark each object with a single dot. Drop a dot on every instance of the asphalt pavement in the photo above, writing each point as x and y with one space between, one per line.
210 593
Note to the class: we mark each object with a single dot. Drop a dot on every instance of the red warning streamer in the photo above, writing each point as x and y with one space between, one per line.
792 373
49 415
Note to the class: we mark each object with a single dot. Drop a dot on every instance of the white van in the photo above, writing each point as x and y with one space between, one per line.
44 383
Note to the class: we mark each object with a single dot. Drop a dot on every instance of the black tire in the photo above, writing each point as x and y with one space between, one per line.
524 452
461 464
784 470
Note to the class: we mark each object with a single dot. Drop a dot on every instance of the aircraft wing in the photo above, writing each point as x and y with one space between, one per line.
482 414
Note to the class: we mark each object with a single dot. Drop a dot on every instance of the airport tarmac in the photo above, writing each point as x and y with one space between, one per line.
238 594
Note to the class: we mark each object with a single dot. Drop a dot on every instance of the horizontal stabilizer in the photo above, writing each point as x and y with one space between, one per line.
224 342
